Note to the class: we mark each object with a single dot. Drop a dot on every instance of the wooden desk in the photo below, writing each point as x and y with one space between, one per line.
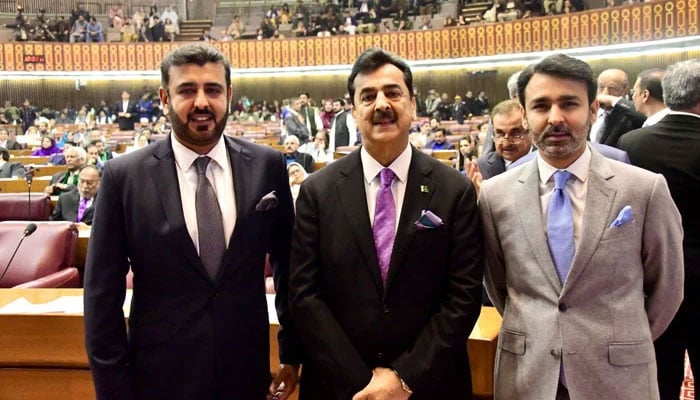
49 170
43 355
13 185
29 160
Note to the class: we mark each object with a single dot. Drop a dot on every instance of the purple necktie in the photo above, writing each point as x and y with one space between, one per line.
81 208
384 222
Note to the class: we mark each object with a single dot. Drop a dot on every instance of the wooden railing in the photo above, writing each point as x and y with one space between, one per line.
629 24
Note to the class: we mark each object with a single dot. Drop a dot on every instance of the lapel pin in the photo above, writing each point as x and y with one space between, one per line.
424 189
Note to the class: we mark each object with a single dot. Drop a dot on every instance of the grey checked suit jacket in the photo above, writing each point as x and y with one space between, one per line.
624 287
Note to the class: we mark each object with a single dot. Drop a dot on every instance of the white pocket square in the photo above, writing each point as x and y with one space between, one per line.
626 215
267 202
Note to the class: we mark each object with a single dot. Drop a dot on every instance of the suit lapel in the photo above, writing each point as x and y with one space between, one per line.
164 174
527 191
419 190
351 193
596 214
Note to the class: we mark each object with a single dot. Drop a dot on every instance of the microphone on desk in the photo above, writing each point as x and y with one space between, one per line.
31 227
29 176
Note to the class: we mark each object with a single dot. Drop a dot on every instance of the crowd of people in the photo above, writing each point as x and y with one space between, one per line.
80 26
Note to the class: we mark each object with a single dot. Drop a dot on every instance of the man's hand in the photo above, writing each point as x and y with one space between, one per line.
606 101
384 385
473 173
285 382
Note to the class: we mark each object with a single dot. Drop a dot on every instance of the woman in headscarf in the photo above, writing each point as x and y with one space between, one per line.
48 147
297 174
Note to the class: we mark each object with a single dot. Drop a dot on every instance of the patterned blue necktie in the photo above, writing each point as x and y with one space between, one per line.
560 226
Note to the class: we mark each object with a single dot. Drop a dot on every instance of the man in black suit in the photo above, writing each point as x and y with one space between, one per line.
10 169
125 110
616 115
79 205
670 147
198 326
391 317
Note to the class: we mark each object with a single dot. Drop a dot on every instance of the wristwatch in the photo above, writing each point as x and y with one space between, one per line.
404 386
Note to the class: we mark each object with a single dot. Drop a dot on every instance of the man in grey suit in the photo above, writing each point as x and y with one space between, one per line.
194 217
584 254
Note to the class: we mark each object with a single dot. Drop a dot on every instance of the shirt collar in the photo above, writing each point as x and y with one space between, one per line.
656 117
185 157
372 167
578 168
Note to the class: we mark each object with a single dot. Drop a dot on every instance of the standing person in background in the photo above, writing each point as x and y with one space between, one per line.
384 292
670 147
212 208
583 254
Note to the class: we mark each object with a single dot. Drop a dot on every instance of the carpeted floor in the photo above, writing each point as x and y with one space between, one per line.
688 390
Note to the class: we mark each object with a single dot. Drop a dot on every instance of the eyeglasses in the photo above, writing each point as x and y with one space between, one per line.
514 138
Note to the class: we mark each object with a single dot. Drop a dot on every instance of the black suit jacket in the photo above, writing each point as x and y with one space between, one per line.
67 208
12 170
189 337
126 124
58 177
491 164
419 324
621 120
670 147
306 161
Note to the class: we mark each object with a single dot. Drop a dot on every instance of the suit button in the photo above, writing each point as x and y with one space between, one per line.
386 309
380 356
562 307
555 353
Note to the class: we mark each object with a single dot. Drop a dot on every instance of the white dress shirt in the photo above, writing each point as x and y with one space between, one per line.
371 169
219 173
656 117
576 188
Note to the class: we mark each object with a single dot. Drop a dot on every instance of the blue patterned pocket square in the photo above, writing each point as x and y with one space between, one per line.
268 202
428 220
626 215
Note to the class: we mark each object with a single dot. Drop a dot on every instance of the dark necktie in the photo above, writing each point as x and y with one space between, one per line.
384 222
560 226
210 226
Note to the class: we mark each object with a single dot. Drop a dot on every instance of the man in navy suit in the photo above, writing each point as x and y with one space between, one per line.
386 265
198 324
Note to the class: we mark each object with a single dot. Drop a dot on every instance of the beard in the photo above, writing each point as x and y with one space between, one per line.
556 150
196 137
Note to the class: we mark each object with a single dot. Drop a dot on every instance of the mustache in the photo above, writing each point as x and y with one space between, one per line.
380 115
559 129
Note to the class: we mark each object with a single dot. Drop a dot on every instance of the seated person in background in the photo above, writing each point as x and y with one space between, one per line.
296 177
102 148
141 141
59 158
401 21
48 147
9 169
31 138
93 157
79 205
467 151
94 31
129 32
318 148
291 154
6 142
369 22
68 180
439 141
